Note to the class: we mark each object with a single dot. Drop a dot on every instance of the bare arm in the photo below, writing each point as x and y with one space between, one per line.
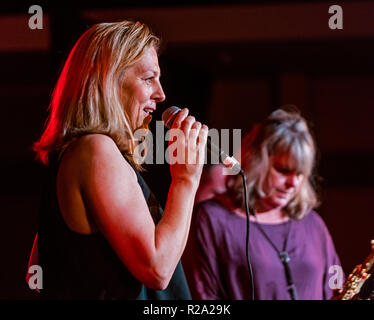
113 197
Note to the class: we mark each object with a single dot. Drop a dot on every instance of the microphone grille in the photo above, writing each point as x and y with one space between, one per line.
168 116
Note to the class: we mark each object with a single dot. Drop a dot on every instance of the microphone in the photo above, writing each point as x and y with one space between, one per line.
168 118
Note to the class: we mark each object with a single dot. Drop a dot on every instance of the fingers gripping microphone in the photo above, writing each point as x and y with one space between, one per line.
168 118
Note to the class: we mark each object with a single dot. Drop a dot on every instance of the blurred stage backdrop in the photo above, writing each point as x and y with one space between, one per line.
231 63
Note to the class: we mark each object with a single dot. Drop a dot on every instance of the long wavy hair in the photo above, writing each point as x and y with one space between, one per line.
87 97
285 131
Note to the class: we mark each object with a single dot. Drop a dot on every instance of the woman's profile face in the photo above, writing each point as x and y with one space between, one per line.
282 184
141 88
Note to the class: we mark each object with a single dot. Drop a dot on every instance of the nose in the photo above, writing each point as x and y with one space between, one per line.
158 94
291 181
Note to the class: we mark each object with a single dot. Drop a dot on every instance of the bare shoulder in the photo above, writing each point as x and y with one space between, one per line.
96 150
92 169
98 144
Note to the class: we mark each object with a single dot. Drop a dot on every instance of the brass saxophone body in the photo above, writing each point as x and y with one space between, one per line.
355 281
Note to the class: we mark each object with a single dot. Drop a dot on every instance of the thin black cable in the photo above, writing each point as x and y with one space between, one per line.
285 259
247 234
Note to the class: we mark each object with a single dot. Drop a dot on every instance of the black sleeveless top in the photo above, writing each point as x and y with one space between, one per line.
77 266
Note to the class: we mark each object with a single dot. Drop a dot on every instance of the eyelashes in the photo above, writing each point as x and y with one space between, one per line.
149 80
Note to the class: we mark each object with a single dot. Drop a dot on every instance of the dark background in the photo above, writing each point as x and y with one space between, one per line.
231 63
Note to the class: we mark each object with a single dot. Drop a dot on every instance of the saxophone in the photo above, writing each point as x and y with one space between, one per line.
352 287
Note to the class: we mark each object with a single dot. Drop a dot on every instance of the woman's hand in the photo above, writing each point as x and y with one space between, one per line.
187 148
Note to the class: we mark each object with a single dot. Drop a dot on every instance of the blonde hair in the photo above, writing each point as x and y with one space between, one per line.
285 131
87 96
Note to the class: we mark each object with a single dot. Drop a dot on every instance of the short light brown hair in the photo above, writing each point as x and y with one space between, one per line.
87 97
284 131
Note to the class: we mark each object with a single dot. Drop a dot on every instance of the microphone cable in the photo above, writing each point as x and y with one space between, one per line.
247 211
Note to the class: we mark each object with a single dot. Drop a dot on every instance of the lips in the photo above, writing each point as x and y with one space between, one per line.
147 117
284 194
149 110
